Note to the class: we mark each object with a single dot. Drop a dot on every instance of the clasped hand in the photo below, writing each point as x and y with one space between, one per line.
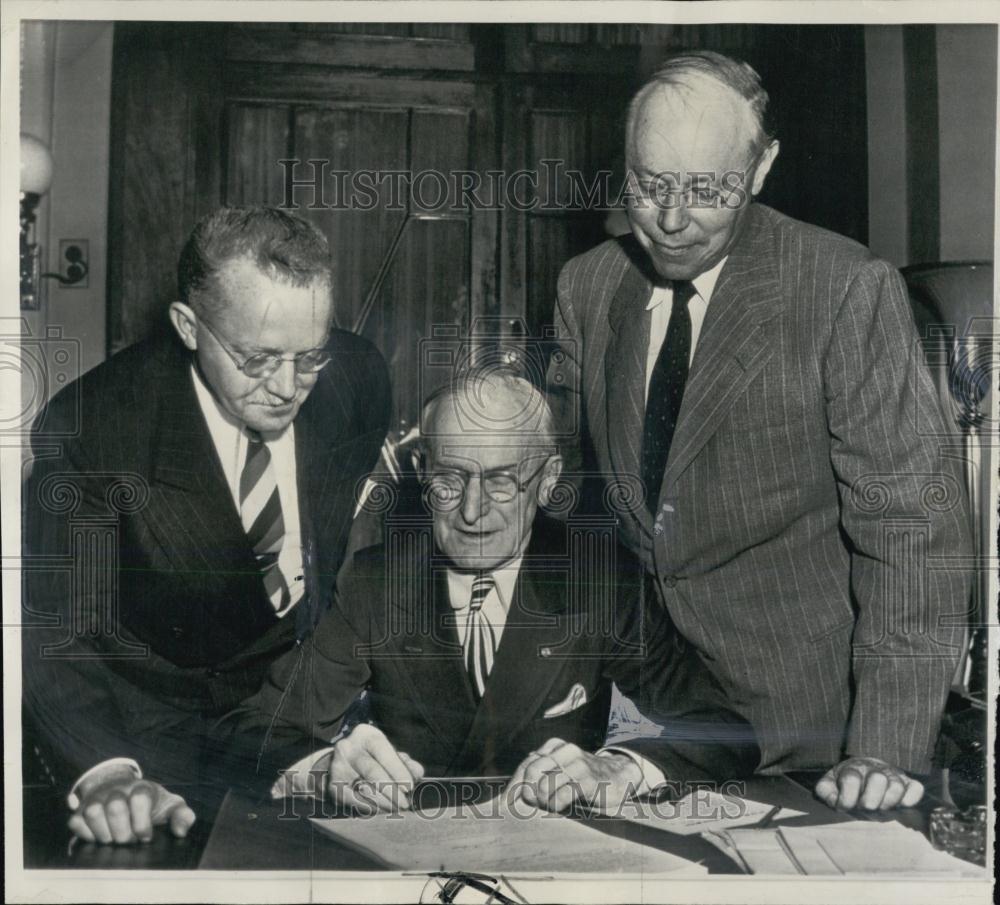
868 783
124 809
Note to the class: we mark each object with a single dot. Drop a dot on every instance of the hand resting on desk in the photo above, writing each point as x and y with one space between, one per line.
116 806
560 773
868 783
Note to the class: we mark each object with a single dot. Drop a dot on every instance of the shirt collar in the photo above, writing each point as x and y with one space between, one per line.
505 576
704 283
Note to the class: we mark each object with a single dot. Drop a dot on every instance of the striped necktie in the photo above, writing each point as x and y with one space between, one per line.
480 641
260 512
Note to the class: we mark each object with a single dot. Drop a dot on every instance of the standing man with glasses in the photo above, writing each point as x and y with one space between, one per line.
761 381
488 637
239 449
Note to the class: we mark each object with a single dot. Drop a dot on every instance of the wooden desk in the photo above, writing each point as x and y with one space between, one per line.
250 834
266 835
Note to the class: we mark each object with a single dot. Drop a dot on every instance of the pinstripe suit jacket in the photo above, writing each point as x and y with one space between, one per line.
807 514
169 624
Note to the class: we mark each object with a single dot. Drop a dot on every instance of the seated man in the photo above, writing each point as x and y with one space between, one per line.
488 639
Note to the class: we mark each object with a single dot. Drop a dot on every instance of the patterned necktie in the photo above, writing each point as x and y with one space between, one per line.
666 391
480 641
260 512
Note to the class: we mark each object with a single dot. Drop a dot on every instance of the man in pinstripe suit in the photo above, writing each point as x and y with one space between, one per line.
800 518
238 444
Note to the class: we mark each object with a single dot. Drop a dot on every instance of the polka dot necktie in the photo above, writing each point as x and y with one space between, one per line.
666 391
480 641
260 512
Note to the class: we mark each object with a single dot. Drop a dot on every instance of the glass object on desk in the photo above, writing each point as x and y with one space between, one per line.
961 833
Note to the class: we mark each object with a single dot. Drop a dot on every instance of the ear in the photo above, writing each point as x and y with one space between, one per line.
550 477
767 158
185 322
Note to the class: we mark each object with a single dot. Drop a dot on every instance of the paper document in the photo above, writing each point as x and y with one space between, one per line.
491 837
701 811
856 848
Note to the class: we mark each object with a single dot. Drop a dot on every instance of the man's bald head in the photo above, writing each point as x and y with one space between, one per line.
691 75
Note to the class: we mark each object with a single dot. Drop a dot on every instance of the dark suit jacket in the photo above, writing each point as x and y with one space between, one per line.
574 619
143 634
809 530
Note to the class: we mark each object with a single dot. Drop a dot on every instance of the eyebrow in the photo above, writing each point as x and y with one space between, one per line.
513 466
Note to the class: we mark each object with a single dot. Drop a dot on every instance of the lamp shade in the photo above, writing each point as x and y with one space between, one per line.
36 165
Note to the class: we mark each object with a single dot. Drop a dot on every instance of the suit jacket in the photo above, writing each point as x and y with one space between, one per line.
392 631
139 638
808 524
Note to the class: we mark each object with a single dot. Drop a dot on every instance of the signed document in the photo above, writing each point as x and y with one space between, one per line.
493 837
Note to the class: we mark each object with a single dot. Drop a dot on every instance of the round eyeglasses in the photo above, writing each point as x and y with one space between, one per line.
447 487
264 364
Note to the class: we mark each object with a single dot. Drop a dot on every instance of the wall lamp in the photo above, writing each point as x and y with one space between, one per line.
36 177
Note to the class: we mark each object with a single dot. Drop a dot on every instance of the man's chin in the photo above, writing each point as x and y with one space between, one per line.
268 418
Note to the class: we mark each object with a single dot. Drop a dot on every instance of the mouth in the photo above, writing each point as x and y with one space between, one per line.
474 535
279 407
672 250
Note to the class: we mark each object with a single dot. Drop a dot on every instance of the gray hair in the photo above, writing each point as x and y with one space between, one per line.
677 71
281 244
473 397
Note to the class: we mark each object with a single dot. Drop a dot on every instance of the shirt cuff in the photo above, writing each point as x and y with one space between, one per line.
652 775
295 779
105 766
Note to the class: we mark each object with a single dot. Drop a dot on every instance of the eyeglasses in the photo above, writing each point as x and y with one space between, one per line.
447 488
701 193
447 886
264 364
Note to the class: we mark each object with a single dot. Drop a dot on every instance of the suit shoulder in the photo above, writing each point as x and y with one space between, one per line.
611 256
797 236
108 394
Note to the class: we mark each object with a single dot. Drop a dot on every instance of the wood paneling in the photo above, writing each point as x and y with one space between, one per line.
299 83
161 178
329 48
257 138
360 239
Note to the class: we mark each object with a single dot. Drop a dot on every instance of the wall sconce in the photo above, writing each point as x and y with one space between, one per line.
36 177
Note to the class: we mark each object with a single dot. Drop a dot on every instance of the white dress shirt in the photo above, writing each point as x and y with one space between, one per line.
660 306
230 440
496 605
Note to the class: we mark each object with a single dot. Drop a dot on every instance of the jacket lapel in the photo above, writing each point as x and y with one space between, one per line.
519 680
625 375
192 513
430 657
733 347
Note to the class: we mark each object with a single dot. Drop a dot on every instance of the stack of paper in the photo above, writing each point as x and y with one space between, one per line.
492 837
855 848
703 811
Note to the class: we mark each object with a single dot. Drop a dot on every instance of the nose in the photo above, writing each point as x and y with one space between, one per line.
282 382
474 501
673 216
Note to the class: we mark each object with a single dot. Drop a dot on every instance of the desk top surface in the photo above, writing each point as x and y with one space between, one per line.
256 834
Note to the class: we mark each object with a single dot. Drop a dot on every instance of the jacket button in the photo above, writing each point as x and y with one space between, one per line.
177 630
670 581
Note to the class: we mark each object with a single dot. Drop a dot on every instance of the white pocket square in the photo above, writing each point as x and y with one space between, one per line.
577 697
